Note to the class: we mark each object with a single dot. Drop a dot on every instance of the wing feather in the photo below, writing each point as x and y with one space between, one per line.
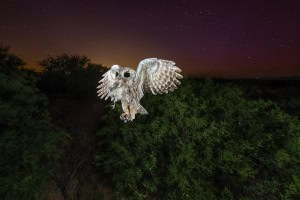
157 76
106 84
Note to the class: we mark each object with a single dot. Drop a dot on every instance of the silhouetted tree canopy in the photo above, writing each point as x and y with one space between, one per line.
70 74
8 61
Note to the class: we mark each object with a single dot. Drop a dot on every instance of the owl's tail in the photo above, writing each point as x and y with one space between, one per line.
142 110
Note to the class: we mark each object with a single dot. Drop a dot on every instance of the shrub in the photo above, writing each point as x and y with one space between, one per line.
203 141
29 145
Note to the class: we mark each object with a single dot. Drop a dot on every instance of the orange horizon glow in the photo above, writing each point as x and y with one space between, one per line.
249 39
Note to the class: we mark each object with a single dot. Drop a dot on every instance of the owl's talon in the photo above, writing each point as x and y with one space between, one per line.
125 117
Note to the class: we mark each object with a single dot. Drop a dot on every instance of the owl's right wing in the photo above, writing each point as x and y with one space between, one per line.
108 83
157 76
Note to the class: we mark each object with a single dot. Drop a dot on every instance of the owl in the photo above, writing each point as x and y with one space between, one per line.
124 84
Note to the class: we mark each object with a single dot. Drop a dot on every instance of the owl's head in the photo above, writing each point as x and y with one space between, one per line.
123 75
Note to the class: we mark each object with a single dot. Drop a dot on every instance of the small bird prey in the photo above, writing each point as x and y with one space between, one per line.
124 84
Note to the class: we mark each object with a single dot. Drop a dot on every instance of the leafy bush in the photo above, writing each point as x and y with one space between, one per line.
29 145
203 141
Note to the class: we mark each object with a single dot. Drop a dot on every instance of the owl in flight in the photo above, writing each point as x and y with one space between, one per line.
128 86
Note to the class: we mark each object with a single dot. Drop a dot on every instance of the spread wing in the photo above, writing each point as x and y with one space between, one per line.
108 83
158 76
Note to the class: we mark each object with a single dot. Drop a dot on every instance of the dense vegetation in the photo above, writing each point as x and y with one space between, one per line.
29 144
211 139
206 141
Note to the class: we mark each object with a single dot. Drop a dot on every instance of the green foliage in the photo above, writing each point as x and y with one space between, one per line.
28 142
204 141
283 92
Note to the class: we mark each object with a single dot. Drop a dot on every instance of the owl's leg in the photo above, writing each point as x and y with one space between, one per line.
126 115
132 111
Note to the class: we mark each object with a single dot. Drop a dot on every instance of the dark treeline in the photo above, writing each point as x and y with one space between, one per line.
210 139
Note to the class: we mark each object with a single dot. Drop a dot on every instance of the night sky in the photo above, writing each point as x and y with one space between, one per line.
206 38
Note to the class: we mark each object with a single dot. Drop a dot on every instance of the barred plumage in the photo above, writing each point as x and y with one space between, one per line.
124 84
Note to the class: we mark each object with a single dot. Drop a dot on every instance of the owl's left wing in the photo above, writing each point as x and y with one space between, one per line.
158 76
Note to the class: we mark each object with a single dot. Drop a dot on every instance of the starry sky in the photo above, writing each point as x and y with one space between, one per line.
234 38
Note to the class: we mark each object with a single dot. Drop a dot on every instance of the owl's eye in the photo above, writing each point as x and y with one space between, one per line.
126 74
117 74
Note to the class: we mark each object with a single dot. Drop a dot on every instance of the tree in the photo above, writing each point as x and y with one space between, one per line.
29 144
70 74
9 62
203 141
